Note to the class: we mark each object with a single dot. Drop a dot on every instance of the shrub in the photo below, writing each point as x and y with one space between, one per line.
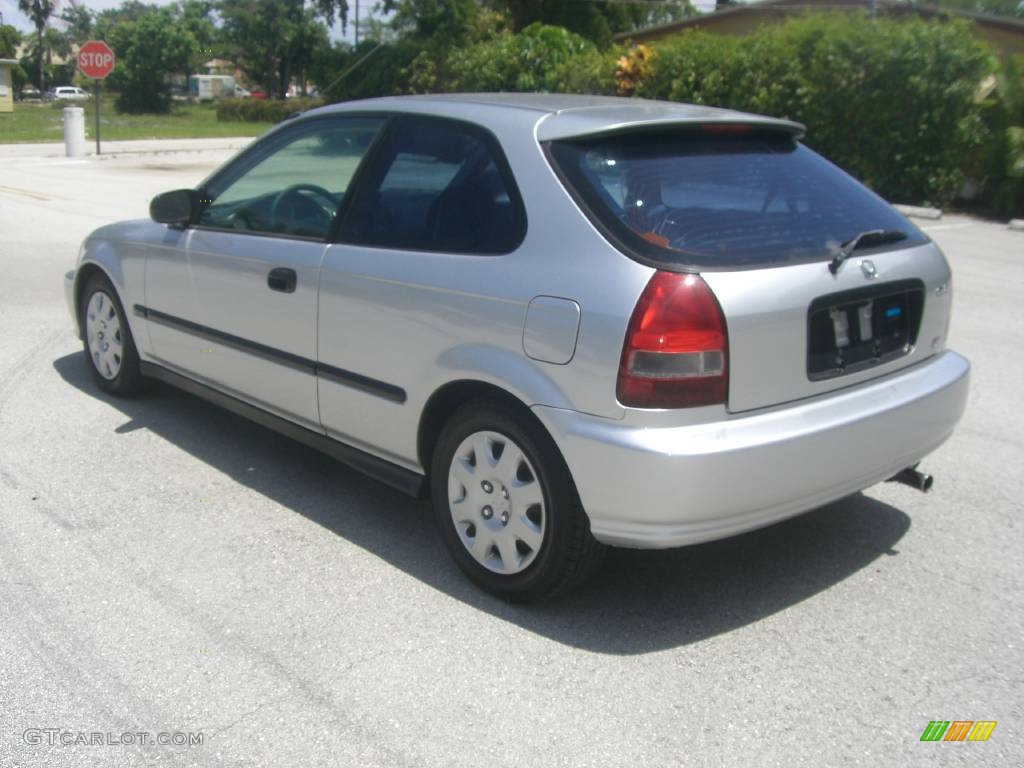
632 69
891 101
526 61
261 110
998 166
589 72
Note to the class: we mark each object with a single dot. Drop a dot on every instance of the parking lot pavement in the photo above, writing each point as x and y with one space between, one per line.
168 567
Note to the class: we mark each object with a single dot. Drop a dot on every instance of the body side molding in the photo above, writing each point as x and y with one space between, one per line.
347 378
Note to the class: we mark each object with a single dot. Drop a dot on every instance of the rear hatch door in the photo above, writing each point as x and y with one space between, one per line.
772 228
799 331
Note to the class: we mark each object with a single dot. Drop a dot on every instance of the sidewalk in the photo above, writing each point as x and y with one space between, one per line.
140 146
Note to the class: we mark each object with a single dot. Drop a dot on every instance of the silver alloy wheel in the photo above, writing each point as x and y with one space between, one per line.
103 333
496 502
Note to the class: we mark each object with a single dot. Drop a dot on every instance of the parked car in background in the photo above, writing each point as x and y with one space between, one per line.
30 94
257 92
241 93
68 93
571 321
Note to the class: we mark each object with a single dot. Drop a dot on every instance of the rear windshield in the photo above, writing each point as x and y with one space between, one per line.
722 201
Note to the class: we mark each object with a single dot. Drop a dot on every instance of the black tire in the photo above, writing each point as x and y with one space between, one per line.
568 553
128 380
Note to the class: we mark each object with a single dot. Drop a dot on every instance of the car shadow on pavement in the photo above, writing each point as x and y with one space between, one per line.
639 602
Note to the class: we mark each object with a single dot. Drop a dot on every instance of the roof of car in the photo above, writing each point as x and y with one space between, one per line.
562 116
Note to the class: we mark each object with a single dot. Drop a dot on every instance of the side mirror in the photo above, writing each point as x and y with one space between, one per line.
174 208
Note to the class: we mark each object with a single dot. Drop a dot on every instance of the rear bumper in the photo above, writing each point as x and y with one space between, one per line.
666 487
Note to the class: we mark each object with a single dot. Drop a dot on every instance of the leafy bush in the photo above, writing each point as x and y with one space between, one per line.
261 110
891 101
589 72
632 69
999 164
526 61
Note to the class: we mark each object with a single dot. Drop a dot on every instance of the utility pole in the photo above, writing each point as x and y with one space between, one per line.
357 22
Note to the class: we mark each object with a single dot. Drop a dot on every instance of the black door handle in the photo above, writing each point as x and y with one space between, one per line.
282 279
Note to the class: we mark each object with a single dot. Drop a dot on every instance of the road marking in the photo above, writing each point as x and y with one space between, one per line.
51 163
24 193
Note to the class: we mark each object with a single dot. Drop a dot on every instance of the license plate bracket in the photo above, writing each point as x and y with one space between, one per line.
854 330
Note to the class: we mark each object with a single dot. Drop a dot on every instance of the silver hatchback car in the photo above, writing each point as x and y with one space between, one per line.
572 321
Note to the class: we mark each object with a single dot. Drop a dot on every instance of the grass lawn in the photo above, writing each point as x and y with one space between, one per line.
43 122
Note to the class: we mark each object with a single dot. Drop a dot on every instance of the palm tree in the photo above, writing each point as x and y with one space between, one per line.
39 11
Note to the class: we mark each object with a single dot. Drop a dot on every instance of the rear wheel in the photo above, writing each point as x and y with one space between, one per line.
506 506
109 346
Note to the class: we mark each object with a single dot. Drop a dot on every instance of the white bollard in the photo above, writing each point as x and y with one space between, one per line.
74 131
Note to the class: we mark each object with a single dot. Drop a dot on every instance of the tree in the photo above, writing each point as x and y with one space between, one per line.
150 45
444 21
78 22
196 18
39 12
597 21
10 39
129 10
308 39
272 40
52 42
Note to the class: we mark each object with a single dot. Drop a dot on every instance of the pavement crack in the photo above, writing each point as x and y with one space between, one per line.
247 715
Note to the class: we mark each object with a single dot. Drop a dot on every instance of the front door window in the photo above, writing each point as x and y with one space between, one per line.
296 188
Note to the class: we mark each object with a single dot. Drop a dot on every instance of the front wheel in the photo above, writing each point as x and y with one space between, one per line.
109 346
506 505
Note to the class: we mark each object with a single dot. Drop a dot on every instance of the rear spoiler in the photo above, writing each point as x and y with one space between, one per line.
640 115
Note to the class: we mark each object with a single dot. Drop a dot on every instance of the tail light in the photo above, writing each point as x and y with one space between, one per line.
676 349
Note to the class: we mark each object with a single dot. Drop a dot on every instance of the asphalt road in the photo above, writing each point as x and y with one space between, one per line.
167 567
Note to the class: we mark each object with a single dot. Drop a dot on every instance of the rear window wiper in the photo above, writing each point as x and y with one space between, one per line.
870 237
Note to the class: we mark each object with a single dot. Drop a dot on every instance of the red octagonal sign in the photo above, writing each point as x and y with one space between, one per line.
96 59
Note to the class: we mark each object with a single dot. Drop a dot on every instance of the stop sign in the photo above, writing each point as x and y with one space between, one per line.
96 59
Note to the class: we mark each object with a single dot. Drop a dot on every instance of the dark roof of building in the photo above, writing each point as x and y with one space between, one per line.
784 7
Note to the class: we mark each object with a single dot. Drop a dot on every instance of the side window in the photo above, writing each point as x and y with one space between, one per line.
297 188
440 185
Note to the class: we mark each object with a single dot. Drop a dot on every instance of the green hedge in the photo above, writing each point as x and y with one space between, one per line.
894 102
998 165
262 110
530 60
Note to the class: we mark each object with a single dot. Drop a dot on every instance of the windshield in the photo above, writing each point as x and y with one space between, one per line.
713 200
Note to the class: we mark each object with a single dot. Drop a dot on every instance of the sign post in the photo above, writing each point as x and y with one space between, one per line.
96 61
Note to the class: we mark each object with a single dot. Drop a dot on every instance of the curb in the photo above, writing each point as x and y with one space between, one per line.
121 147
182 151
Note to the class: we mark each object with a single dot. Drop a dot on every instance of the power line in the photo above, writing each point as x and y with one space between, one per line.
352 66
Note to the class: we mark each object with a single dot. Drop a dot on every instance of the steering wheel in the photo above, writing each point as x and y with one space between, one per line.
327 203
